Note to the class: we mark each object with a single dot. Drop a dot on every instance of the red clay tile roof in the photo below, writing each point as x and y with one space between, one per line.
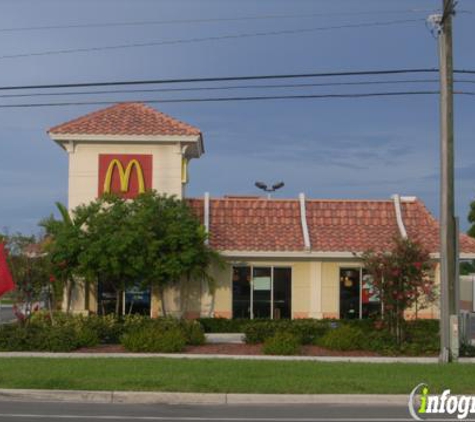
242 224
126 119
257 224
351 226
421 225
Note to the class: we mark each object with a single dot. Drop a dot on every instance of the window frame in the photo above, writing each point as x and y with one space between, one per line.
251 268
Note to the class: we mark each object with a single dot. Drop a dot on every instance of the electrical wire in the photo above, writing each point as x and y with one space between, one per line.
228 78
207 20
249 98
232 87
210 38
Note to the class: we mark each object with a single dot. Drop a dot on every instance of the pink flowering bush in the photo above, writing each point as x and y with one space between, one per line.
404 277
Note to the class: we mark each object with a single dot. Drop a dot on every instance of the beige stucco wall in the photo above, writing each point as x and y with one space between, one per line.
331 289
301 272
84 168
315 292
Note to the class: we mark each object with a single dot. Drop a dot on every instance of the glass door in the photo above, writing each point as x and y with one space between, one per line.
242 292
350 293
358 296
261 292
282 293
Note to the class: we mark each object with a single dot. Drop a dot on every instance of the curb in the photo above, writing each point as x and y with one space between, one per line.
354 359
134 397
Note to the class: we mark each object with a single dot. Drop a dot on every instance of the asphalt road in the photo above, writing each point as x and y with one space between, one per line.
31 412
6 314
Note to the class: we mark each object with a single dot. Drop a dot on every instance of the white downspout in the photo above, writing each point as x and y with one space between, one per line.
303 221
397 208
206 215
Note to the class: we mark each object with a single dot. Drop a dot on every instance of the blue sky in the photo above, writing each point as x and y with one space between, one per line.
352 148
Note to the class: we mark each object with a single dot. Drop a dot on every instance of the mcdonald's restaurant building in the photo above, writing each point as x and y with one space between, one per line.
286 258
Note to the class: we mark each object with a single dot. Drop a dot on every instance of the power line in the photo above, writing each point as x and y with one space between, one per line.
211 38
207 20
227 78
469 72
228 87
249 98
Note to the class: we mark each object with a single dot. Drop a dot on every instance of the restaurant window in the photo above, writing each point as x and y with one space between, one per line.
359 298
262 292
135 299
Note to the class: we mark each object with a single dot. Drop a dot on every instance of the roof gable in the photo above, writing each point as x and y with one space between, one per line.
127 119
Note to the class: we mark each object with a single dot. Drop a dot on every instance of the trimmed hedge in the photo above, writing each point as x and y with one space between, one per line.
35 337
282 343
344 338
65 332
308 331
154 340
223 325
162 335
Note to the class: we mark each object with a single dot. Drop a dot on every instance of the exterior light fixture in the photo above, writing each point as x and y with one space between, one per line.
265 188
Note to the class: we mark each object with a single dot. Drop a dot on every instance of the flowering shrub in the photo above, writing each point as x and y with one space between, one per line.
404 278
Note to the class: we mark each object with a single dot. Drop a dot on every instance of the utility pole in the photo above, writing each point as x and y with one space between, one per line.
448 260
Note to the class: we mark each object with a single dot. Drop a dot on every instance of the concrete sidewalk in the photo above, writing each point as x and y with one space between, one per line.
355 359
233 338
79 396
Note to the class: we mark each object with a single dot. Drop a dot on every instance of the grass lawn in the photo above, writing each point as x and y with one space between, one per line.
231 376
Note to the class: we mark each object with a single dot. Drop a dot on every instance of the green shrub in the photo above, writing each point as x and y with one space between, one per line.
307 330
37 337
132 323
13 337
193 332
282 343
86 337
344 337
154 340
421 337
467 350
53 339
223 325
108 328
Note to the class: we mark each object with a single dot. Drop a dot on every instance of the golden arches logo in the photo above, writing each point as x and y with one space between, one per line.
124 175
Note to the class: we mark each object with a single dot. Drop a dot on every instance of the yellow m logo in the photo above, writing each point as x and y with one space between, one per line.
124 175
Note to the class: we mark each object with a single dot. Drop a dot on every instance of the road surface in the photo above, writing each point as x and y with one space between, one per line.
35 411
6 314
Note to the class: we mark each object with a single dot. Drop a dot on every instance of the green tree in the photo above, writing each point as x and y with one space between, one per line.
153 239
471 219
404 277
468 267
174 241
65 239
32 273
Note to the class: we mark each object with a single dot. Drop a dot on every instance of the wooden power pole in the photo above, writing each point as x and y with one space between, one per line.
448 259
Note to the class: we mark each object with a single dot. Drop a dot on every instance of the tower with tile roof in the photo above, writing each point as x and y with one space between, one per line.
126 149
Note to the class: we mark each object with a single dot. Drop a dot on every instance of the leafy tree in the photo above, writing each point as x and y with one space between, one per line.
153 239
404 278
64 246
467 267
32 273
471 219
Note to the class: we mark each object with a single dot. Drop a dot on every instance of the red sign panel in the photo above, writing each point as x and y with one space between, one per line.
126 175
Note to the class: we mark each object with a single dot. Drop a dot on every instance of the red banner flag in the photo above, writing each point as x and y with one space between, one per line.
6 280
